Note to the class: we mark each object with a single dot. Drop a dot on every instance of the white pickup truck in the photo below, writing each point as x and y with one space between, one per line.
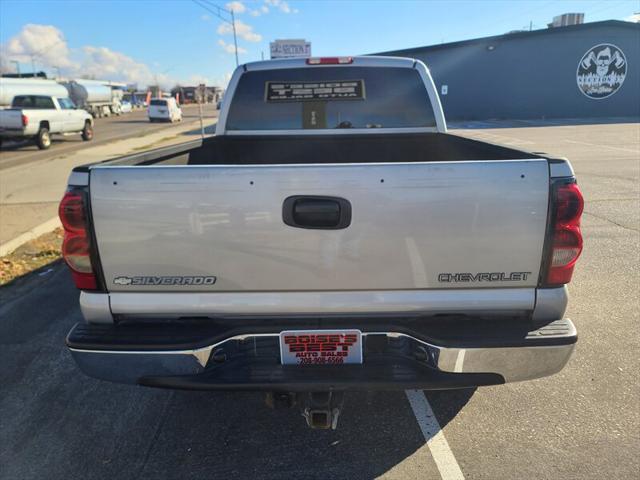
38 117
332 236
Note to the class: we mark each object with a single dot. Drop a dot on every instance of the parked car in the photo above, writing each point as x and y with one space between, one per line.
322 241
125 107
164 109
38 117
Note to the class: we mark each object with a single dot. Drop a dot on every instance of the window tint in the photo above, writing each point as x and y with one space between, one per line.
159 103
66 104
32 101
23 101
392 98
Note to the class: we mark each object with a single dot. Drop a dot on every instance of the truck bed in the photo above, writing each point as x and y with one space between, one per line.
323 149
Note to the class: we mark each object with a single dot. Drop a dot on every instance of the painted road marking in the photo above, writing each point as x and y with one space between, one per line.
433 434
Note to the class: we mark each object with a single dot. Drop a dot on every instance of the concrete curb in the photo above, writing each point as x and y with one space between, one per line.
46 227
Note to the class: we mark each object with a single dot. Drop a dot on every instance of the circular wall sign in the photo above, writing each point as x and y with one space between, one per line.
601 71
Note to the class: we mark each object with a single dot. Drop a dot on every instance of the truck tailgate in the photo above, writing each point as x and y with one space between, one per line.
11 119
433 225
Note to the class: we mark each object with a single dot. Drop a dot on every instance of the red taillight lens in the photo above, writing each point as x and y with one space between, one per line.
329 60
566 241
25 120
569 203
76 247
71 212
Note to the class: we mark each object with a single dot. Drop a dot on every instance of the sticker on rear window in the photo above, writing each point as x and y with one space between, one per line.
314 91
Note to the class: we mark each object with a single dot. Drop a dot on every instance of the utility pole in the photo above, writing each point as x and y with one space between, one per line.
33 65
530 25
202 90
17 67
235 38
218 13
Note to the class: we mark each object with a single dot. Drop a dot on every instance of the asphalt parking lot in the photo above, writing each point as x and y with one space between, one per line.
581 423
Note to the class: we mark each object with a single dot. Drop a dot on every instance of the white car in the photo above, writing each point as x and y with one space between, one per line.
164 110
125 107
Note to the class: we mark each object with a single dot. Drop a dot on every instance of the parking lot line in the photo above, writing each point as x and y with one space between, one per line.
433 434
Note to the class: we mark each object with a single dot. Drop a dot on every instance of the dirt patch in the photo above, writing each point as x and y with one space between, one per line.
31 256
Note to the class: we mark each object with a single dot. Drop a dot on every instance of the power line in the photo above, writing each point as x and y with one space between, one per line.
219 13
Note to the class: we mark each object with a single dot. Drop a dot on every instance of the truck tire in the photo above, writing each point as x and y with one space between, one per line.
87 132
43 139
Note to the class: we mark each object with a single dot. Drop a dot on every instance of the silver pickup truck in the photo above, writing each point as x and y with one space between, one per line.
38 117
332 236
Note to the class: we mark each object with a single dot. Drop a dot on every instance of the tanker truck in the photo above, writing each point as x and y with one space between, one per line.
10 87
98 99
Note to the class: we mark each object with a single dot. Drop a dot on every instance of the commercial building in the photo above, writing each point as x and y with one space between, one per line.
574 71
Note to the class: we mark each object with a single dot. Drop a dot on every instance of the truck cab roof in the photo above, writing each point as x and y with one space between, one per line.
358 61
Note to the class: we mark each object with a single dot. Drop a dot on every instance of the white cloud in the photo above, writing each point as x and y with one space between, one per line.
281 5
230 48
633 18
45 43
242 29
102 62
205 17
224 80
236 7
196 80
50 50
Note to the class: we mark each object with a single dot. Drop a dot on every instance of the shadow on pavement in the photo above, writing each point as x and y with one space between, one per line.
62 424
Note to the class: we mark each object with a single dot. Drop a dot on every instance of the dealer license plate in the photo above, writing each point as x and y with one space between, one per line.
320 347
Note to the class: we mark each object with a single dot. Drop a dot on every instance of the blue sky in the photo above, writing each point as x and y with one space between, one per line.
179 41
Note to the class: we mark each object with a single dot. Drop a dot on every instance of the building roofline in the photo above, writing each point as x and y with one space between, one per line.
511 36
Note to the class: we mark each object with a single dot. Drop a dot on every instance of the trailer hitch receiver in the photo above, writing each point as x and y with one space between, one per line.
321 409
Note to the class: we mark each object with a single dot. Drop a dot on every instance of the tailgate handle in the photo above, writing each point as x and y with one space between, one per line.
313 211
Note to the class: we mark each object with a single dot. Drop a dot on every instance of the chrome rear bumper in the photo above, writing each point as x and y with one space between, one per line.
406 362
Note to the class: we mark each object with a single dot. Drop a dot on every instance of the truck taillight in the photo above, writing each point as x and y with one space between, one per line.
76 246
565 243
25 120
329 60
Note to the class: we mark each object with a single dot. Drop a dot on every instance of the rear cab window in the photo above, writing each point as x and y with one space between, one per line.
159 103
33 101
330 98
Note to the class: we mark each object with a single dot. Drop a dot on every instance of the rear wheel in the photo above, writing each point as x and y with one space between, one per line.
43 139
87 132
